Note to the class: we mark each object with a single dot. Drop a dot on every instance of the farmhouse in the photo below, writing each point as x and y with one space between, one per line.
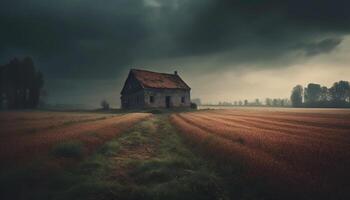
146 89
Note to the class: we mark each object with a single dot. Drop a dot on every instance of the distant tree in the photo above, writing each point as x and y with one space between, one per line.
282 102
275 102
194 106
240 103
285 102
104 105
246 102
312 94
268 102
21 84
340 92
235 103
257 102
197 101
325 95
297 96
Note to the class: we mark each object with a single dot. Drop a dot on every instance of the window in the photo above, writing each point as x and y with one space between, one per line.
151 99
182 99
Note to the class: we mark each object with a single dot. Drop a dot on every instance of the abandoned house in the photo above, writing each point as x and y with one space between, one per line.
146 89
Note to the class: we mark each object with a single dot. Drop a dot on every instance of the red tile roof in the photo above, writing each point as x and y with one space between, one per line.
150 79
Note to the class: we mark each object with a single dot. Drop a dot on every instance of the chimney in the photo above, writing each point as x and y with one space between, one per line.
175 72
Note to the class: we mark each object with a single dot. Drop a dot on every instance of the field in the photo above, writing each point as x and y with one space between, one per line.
25 135
305 150
250 153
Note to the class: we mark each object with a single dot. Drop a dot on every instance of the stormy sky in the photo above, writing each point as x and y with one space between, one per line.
225 50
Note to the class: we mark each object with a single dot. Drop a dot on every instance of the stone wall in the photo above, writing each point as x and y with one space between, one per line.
159 97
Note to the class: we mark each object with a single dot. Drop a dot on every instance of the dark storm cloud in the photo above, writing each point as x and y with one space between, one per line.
73 38
275 26
95 39
323 46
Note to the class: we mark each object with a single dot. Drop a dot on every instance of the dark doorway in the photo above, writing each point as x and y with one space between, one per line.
167 101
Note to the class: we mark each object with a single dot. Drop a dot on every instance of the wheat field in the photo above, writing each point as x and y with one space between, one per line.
292 149
26 135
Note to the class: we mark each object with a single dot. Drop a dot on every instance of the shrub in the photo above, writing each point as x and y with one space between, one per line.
110 148
69 149
155 111
194 106
104 105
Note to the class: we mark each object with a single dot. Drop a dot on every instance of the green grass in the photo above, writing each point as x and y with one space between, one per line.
110 149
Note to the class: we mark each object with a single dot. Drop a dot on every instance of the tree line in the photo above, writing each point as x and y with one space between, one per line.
315 95
270 102
20 84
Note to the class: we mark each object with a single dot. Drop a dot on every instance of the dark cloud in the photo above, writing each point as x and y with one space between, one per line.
86 39
323 46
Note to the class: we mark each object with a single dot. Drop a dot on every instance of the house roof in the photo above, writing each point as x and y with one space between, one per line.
149 79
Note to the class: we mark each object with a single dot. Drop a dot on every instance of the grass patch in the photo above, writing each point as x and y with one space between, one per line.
174 172
110 148
68 149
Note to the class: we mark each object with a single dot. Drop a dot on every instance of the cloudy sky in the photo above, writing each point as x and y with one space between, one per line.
225 50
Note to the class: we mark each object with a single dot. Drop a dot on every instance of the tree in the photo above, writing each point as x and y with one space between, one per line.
257 102
312 93
339 92
104 105
246 102
285 102
197 101
325 95
240 103
297 96
275 102
268 102
21 84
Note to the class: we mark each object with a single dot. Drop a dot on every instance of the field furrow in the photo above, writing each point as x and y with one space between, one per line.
303 145
312 132
27 127
92 134
313 120
224 149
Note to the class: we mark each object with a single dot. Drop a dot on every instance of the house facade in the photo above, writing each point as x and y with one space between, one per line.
146 89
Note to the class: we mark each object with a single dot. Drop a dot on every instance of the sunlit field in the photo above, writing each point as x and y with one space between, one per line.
304 151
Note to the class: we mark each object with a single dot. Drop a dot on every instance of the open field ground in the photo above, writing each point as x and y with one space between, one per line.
147 160
26 135
305 150
252 153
